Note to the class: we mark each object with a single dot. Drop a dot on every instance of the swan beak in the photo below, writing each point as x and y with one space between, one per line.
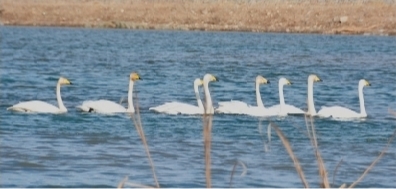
70 83
368 83
134 77
289 83
268 82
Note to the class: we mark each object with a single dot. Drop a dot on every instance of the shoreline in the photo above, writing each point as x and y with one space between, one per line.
357 17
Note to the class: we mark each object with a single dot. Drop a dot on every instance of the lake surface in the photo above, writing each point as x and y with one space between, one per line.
91 150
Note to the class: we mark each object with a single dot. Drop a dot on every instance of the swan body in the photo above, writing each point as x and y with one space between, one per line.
339 112
183 108
37 106
208 99
283 109
232 107
239 107
108 107
311 106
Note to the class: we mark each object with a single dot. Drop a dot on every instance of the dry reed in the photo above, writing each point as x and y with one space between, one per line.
207 138
207 131
321 166
139 127
234 168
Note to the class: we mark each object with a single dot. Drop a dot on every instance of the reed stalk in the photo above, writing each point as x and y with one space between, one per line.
207 134
289 150
139 127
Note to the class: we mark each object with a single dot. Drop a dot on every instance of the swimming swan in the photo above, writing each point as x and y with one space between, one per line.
106 106
282 108
208 100
341 112
183 108
311 106
239 107
43 107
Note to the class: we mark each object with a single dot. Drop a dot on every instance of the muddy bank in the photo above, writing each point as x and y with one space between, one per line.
376 17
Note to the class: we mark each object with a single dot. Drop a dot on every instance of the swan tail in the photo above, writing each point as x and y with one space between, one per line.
84 108
17 109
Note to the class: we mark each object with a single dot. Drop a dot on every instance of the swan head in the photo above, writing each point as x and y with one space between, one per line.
363 83
284 81
198 82
314 78
261 80
134 76
64 81
209 77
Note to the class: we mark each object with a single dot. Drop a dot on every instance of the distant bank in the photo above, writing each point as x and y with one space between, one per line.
371 17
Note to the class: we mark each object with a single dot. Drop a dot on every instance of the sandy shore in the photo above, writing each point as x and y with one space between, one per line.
377 17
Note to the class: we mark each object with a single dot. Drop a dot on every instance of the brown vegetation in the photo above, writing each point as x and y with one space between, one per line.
299 16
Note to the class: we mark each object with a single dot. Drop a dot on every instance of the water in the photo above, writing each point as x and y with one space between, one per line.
89 150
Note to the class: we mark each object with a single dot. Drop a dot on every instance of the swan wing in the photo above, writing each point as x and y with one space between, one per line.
35 106
101 106
338 112
259 112
232 107
287 109
293 110
177 108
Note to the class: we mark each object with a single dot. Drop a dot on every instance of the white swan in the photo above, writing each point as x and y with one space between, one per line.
183 108
106 106
208 100
43 107
239 107
311 106
282 108
345 113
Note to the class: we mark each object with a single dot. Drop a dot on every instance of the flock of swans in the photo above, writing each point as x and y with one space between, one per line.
227 107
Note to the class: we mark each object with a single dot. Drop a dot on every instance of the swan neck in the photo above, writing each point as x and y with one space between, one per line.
361 101
196 90
258 96
130 101
281 97
311 105
208 99
59 99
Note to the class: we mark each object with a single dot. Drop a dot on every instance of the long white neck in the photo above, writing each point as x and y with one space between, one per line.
258 96
200 105
311 105
281 97
208 99
130 100
62 107
361 100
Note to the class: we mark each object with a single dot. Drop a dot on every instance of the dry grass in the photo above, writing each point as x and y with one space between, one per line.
305 16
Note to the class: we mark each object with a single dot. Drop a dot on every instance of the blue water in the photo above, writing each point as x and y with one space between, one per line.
90 150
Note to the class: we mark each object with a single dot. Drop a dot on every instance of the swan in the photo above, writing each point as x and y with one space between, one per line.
282 108
37 106
239 107
341 112
106 106
311 106
183 108
208 100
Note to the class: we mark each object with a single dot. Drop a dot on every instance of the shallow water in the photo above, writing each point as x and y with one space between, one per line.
90 150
